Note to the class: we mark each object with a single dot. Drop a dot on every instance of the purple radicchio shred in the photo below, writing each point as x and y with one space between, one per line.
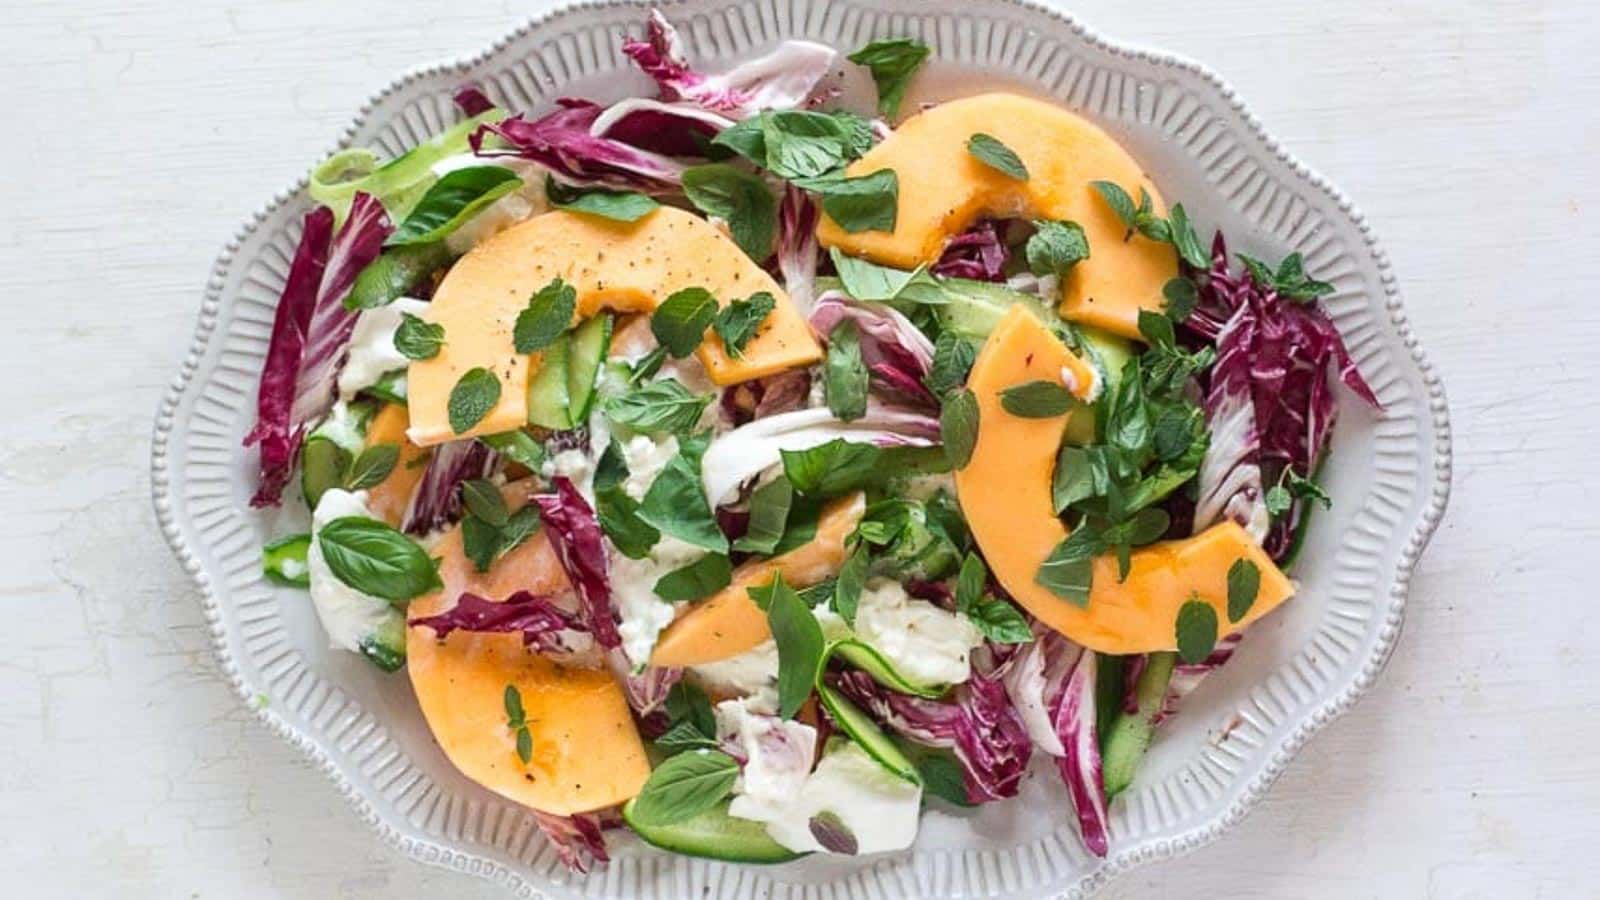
577 839
671 129
981 725
570 439
471 100
797 246
1186 677
562 142
979 253
280 442
576 538
781 79
897 353
647 688
436 500
760 397
539 621
935 592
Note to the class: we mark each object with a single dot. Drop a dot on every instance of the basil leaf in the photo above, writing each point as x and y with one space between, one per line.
1055 247
953 356
547 317
1181 296
891 62
739 321
519 527
1196 631
802 144
456 197
684 786
988 150
612 469
1172 434
1069 568
416 339
739 198
1036 400
941 772
687 703
676 505
1244 583
621 206
958 426
801 526
372 466
480 541
1128 420
869 281
829 469
618 515
1185 240
847 588
396 273
800 645
1074 478
769 511
656 407
1000 622
683 736
377 560
484 500
695 581
472 398
970 583
844 375
865 203
680 322
517 446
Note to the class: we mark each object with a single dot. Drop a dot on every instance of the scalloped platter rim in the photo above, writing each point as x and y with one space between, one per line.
1310 663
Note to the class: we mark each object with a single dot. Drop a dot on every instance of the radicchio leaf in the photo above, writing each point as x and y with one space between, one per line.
671 129
979 253
575 536
1187 677
545 627
782 79
896 352
797 246
577 839
761 397
647 688
436 500
563 142
471 100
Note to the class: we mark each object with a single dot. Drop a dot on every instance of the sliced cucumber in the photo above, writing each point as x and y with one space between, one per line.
549 402
396 273
385 646
283 561
865 732
590 343
714 834
1108 353
974 308
867 658
1131 732
323 464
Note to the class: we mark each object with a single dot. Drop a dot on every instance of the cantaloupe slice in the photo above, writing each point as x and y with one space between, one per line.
587 754
729 623
944 190
1005 495
624 266
387 499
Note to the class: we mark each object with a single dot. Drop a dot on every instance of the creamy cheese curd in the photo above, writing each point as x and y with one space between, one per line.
880 809
925 643
372 351
752 675
633 581
777 758
348 615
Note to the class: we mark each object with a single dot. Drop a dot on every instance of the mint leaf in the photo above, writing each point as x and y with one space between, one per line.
1244 583
676 505
548 315
372 466
483 499
474 395
517 446
798 143
683 787
844 373
1055 247
680 322
970 583
800 645
1306 489
739 321
1278 500
865 280
687 703
738 198
988 150
1069 569
456 197
1001 622
515 717
1038 399
618 515
621 206
660 406
1290 281
416 339
892 63
1181 296
829 469
865 203
953 356
695 581
1119 201
480 541
377 560
1185 240
1196 631
958 426
769 511
852 579
683 736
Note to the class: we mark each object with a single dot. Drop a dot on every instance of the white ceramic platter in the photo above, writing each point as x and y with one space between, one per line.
1297 670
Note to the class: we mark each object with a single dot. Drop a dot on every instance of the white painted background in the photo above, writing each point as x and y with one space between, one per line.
142 131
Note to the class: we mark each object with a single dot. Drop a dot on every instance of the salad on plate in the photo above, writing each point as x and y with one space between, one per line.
751 473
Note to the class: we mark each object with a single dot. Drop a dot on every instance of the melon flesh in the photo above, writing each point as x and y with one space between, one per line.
944 190
387 500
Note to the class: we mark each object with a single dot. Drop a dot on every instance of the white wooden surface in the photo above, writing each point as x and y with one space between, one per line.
142 131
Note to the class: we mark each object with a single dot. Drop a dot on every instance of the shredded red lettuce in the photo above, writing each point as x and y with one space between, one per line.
1186 677
896 352
578 839
471 100
979 253
760 397
545 627
981 725
436 500
564 143
671 129
279 439
781 79
797 246
575 535
646 688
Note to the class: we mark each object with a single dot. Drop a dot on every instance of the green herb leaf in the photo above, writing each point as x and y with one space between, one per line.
1036 400
612 468
797 143
687 703
865 203
988 150
844 374
1157 329
697 580
622 206
456 197
683 787
480 541
1001 622
892 63
377 560
372 466
548 316
1196 631
739 321
680 322
648 365
618 515
1069 569
1185 240
941 771
676 505
683 736
739 198
524 745
472 398
416 339
953 356
1118 200
1074 478
396 273
869 281
1244 583
1290 281
769 511
482 498
659 406
830 469
515 717
1055 247
1278 500
958 426
1181 296
800 645
522 524
970 583
847 587
517 446
1306 489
